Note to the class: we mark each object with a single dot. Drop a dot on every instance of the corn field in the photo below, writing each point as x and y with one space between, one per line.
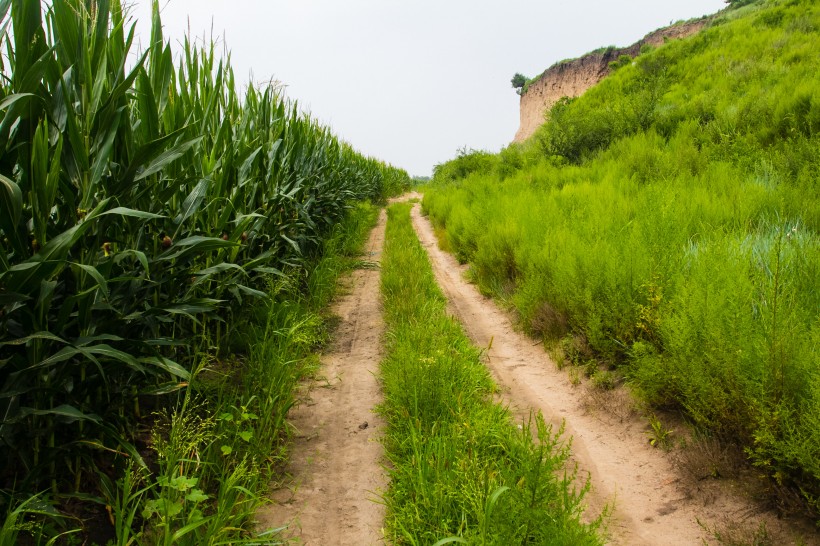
144 201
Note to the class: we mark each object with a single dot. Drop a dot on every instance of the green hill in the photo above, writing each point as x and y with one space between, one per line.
667 224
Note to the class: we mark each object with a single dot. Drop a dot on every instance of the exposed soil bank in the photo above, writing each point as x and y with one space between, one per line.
572 78
336 473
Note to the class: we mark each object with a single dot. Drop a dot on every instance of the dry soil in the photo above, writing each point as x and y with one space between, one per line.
335 472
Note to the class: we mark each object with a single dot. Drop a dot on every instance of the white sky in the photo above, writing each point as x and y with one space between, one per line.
411 82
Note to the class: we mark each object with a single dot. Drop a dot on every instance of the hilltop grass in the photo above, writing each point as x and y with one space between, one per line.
459 466
668 222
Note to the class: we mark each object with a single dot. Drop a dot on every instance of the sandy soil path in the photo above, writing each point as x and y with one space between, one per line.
336 472
651 505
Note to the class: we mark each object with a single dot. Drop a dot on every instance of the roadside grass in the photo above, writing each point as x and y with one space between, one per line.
460 469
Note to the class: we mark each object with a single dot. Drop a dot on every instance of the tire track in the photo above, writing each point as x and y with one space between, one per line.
335 471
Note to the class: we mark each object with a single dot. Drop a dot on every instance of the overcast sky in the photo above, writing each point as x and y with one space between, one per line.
410 82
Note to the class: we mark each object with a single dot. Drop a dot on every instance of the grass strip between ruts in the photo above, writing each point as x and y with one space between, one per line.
461 470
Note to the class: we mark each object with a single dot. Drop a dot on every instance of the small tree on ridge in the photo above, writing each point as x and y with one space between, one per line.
518 82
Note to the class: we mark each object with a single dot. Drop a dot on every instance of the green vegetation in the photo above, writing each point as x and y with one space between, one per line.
146 211
459 467
669 221
738 3
518 82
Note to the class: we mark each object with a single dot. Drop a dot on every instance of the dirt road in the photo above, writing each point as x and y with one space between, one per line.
336 472
336 462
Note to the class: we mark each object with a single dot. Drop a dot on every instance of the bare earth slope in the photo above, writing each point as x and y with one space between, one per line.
651 504
336 463
572 78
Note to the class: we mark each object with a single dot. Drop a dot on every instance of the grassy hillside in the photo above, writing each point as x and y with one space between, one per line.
667 223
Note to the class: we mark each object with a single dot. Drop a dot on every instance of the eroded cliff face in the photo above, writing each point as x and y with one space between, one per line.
572 78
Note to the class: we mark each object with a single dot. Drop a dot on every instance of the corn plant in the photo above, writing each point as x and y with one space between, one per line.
141 204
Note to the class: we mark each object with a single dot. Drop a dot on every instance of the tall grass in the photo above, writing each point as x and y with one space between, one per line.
669 219
459 466
143 205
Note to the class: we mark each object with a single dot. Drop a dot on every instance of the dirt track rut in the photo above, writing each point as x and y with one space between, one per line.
336 473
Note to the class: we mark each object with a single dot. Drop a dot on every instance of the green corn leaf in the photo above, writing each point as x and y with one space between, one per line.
4 9
125 85
34 75
141 258
167 365
95 274
269 271
79 152
41 207
47 289
292 243
27 275
64 410
245 168
187 309
11 206
86 340
146 102
100 82
219 268
195 245
12 99
68 32
98 49
125 211
166 158
251 291
143 156
165 388
193 201
38 335
251 216
103 155
53 180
